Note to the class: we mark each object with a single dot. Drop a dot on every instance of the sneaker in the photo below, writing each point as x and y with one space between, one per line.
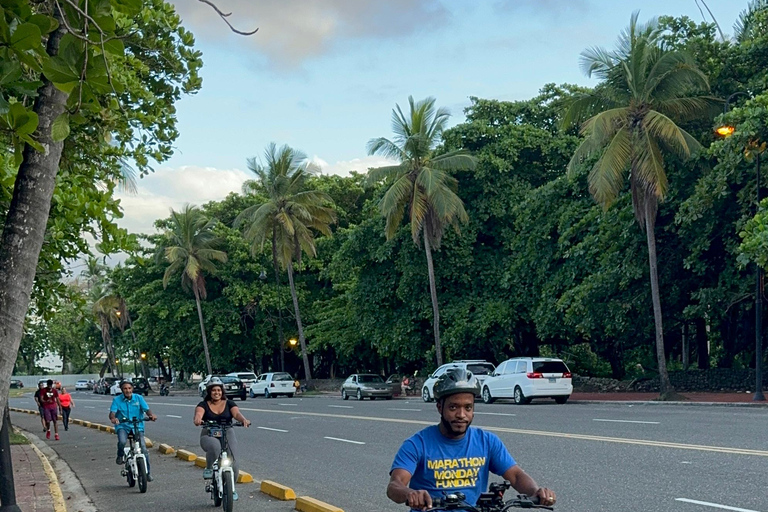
47 434
56 437
234 495
119 461
66 428
207 473
149 478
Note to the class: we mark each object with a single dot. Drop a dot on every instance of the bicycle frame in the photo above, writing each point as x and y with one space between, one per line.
222 466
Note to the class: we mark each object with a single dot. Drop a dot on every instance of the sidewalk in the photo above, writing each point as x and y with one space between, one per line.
694 398
30 480
90 458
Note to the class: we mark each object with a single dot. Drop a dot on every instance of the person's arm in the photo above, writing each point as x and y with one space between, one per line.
399 492
145 408
235 410
112 411
198 419
524 484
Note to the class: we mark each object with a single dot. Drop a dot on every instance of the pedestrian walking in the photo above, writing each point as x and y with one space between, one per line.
40 387
66 406
49 397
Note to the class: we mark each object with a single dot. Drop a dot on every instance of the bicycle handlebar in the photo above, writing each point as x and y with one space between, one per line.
488 502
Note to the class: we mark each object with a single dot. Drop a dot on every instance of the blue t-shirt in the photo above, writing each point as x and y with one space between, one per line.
129 409
440 465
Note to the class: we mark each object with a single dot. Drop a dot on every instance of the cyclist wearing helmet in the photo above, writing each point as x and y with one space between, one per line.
215 407
452 455
127 406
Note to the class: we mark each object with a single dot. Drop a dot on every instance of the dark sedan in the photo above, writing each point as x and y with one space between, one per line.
366 385
17 384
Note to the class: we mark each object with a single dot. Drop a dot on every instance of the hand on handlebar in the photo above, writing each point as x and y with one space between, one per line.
114 421
419 500
152 417
546 496
246 423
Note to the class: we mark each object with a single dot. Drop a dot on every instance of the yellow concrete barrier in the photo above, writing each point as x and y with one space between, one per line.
307 504
244 478
103 428
111 430
148 442
200 461
186 456
86 424
166 449
276 490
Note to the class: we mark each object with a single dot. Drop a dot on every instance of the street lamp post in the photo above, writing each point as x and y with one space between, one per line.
727 131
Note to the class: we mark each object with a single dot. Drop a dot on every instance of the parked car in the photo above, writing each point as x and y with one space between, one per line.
114 389
247 378
233 387
140 385
273 384
82 385
525 378
366 385
479 368
393 381
17 384
103 385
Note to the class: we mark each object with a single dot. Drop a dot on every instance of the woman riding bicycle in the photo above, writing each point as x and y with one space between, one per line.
216 407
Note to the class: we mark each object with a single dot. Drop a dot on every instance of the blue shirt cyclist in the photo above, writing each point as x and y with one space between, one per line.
124 408
453 456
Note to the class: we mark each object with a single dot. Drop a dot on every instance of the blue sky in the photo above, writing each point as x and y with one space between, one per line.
324 75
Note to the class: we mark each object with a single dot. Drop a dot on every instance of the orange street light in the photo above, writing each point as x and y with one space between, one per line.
143 355
292 342
725 130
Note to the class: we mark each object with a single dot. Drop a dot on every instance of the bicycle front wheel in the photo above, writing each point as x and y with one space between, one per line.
142 470
227 501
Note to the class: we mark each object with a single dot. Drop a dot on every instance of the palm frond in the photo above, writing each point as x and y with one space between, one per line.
607 176
386 148
395 196
456 160
660 127
386 173
585 106
649 167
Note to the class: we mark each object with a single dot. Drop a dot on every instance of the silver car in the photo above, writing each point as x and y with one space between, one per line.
366 385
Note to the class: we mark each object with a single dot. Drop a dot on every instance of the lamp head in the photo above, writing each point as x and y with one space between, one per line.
725 130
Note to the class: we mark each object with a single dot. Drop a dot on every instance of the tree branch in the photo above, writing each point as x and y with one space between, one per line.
224 16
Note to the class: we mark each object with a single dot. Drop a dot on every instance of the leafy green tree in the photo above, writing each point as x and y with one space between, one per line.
189 246
421 183
644 88
287 217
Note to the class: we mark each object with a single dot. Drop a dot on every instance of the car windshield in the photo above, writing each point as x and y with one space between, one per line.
549 367
282 376
249 376
110 380
228 380
369 379
480 369
82 382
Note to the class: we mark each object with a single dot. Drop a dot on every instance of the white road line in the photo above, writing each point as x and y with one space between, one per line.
89 407
272 429
342 406
496 413
715 505
173 416
290 405
343 440
396 409
628 421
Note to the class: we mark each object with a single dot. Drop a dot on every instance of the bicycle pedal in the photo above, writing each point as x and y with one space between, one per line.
124 473
208 488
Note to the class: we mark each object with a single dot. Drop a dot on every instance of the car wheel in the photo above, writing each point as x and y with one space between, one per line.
562 399
487 398
520 398
344 395
389 397
359 395
425 394
250 391
266 393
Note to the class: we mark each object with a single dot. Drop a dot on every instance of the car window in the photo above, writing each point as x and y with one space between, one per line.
500 369
480 368
282 376
371 378
441 370
549 367
249 376
228 380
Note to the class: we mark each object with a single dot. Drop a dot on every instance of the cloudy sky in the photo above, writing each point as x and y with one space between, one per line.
324 75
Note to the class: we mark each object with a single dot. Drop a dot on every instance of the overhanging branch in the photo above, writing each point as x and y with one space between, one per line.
224 16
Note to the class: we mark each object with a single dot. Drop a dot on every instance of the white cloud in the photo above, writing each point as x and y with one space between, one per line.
345 167
291 31
171 188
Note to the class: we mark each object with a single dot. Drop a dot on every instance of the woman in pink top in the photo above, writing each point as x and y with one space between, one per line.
66 406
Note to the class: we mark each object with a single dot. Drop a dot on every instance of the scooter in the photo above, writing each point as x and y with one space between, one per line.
135 469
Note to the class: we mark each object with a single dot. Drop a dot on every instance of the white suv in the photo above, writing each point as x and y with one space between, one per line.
479 368
525 378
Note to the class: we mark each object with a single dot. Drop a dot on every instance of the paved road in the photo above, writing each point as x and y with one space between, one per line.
597 457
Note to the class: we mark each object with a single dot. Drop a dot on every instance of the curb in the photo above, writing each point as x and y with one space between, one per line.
166 449
186 456
278 491
661 403
307 504
59 505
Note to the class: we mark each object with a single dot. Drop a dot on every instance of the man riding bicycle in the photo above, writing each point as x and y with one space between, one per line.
127 406
452 455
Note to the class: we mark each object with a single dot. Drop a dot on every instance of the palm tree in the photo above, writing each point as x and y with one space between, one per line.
190 247
421 183
111 312
644 88
287 217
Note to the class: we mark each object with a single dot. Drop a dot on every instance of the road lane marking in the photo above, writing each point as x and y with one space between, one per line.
715 505
544 433
628 421
272 429
496 413
342 406
343 440
173 416
89 406
290 405
396 409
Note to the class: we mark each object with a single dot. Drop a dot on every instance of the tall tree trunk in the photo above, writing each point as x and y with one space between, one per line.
280 341
202 331
702 344
26 219
163 369
302 340
435 306
666 386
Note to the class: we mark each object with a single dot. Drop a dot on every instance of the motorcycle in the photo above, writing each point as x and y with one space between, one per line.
412 388
164 390
222 485
491 501
135 469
